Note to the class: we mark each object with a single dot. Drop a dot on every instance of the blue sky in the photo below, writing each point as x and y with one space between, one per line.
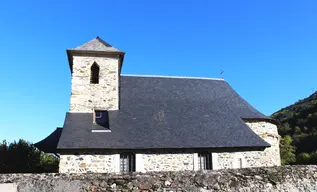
267 49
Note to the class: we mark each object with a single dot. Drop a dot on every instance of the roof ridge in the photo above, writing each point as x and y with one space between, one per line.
96 44
103 42
175 77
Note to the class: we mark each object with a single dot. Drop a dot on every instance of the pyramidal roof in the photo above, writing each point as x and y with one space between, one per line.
97 44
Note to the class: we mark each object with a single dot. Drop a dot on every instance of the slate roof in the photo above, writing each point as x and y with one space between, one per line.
49 144
167 112
97 44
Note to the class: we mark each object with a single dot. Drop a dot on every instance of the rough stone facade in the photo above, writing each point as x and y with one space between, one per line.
86 97
110 163
168 162
181 161
86 163
285 179
269 157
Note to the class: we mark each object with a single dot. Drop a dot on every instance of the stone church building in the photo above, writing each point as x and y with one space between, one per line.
136 123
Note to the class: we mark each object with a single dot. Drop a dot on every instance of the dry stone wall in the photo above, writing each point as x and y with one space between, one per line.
104 95
287 179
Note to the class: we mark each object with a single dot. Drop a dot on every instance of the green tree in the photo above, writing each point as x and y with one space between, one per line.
303 158
23 157
287 150
300 121
3 152
284 129
49 163
313 156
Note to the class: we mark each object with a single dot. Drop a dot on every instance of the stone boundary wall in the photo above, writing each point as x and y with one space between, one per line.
287 178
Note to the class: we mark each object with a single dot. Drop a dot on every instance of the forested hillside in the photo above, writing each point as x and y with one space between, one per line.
299 131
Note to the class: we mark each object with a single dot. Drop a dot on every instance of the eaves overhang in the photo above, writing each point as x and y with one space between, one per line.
74 52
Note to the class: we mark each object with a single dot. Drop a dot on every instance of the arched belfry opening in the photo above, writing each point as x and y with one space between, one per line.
94 74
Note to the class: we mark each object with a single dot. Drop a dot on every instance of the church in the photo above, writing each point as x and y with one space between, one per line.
140 123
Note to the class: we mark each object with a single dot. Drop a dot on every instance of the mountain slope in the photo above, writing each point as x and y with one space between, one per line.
299 121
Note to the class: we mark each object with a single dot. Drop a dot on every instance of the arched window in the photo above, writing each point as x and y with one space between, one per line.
94 74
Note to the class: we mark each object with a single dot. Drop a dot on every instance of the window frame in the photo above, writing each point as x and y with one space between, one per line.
239 162
127 162
94 73
101 114
204 161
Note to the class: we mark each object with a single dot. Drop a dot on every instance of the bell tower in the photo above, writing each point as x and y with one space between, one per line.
95 67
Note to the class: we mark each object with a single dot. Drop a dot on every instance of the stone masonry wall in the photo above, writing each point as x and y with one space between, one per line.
269 157
168 162
110 163
87 163
85 96
284 179
181 161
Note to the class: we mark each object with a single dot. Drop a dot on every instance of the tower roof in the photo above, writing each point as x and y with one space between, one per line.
95 47
97 44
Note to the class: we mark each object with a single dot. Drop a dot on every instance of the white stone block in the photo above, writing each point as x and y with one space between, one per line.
8 187
195 159
139 164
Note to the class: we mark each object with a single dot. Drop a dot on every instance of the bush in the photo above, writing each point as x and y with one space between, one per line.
23 157
303 159
287 150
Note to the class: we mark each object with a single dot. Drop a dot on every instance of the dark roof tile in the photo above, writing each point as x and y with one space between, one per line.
97 44
160 112
49 144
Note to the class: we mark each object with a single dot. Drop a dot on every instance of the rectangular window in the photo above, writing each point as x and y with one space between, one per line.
127 162
101 118
204 161
240 162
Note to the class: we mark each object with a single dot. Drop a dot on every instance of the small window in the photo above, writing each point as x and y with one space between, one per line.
127 162
101 118
94 75
237 163
204 161
240 162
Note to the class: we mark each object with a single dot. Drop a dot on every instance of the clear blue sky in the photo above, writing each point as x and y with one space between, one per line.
268 50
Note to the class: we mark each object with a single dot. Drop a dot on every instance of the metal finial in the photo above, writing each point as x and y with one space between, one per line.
221 73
